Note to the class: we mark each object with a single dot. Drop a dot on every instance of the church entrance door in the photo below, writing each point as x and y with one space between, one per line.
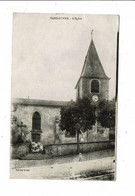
36 137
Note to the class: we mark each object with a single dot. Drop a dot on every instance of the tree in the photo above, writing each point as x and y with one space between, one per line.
78 117
106 115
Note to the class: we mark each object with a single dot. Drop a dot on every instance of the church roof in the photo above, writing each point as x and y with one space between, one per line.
36 102
92 65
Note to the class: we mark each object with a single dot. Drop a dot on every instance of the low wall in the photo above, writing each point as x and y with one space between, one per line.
71 148
60 149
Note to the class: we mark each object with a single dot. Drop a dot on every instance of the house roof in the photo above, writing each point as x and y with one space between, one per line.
92 65
36 102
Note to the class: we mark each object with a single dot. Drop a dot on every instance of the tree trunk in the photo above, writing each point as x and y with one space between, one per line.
21 132
87 135
78 147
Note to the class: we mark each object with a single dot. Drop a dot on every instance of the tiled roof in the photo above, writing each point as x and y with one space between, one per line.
36 102
92 65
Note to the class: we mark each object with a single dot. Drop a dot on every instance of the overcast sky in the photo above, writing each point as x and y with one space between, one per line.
48 54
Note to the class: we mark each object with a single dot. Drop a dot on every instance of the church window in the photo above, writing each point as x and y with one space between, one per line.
36 121
94 86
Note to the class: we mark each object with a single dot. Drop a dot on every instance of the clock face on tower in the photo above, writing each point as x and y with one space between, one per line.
95 98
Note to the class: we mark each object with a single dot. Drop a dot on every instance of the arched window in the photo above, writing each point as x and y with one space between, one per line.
36 121
94 86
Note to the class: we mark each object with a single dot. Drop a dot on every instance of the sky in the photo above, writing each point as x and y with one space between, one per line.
48 52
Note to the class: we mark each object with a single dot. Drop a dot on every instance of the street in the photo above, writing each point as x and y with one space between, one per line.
64 171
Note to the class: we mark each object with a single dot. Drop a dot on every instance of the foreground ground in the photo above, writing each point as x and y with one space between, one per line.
62 159
93 166
76 170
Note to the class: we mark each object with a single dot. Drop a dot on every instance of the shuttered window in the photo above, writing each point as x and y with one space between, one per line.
94 86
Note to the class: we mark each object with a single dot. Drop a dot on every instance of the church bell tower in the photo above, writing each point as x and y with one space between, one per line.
93 82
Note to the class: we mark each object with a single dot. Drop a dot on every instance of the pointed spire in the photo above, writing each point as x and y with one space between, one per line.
92 65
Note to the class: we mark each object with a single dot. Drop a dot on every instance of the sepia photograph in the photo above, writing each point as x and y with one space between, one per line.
64 87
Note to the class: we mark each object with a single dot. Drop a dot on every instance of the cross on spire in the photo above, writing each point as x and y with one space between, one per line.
92 33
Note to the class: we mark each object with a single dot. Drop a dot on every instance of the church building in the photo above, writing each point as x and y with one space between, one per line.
42 116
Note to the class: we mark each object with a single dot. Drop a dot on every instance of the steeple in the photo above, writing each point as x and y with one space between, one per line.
92 65
92 69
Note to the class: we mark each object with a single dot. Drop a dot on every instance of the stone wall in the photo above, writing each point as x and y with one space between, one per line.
51 133
104 91
71 148
88 136
25 113
104 88
79 90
